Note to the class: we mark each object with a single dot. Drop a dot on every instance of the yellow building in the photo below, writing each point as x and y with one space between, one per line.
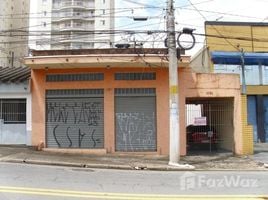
251 37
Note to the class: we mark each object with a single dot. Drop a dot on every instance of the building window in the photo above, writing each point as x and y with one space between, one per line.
136 76
13 111
103 1
75 77
103 22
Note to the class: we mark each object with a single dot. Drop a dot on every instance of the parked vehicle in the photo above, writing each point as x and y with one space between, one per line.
200 137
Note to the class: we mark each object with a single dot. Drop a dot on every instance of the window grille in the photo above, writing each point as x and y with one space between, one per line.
75 77
135 76
13 111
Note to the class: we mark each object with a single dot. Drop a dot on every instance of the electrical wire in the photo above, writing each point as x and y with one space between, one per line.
159 34
235 47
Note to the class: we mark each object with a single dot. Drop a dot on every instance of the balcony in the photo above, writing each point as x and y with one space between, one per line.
86 39
63 16
72 26
73 4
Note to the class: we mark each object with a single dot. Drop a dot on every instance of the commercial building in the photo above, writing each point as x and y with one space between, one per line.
225 41
14 22
115 100
74 24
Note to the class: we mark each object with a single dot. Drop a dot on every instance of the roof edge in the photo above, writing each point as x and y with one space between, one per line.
233 23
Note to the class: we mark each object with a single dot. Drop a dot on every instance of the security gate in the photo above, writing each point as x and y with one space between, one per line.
74 118
209 124
135 113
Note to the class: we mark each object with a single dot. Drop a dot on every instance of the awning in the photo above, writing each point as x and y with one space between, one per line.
234 58
14 74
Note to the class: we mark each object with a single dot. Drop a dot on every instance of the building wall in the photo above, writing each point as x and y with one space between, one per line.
105 21
190 85
231 36
214 86
200 62
98 15
38 91
15 15
41 20
20 91
246 128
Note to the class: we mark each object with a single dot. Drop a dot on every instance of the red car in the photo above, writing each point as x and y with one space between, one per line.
201 135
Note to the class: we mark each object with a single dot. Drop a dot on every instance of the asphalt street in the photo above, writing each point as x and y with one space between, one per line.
27 182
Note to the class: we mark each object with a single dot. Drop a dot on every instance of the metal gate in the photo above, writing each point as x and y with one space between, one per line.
13 121
74 118
210 124
135 113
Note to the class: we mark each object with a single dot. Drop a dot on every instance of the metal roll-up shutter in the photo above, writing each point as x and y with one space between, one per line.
74 119
135 113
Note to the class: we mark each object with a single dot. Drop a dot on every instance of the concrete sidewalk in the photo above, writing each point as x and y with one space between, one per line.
219 161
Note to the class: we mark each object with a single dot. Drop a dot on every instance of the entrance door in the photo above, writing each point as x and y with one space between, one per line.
135 114
74 119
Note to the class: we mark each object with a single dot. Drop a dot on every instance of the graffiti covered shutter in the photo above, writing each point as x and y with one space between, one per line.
135 113
74 119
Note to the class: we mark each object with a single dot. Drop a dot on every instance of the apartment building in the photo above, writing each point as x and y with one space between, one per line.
14 21
74 24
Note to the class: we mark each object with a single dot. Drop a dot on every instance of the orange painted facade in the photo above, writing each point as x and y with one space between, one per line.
190 85
39 86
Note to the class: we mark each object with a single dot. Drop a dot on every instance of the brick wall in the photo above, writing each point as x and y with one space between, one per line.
247 130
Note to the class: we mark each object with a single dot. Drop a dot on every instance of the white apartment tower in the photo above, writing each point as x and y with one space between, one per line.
75 24
14 25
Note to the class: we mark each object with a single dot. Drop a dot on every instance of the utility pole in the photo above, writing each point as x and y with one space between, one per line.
174 128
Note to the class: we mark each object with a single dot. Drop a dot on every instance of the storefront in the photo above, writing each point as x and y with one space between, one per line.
116 102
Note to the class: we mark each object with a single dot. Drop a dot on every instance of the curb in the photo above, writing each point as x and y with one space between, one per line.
95 165
66 164
115 166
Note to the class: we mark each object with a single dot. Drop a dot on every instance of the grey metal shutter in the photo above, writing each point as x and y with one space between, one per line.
74 119
135 113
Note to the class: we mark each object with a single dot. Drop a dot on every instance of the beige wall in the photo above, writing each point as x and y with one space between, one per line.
201 63
224 123
213 86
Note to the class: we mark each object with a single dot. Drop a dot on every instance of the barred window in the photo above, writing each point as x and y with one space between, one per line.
13 111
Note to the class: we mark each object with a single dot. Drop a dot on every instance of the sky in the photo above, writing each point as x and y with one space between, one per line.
194 13
189 13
